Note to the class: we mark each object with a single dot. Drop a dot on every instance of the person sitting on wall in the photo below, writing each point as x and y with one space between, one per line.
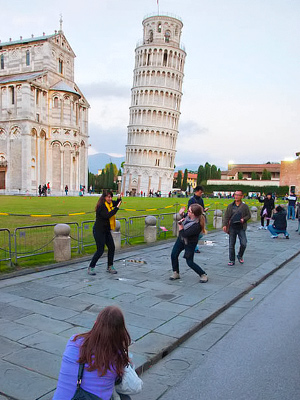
280 223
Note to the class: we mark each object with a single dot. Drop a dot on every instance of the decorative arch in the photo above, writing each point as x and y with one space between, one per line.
2 133
15 131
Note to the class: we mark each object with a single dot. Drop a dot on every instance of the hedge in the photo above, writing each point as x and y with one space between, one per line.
279 190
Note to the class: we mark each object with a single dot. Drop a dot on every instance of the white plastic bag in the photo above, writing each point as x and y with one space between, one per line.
131 383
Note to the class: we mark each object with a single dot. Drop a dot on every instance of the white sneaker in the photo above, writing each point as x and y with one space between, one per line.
261 227
266 228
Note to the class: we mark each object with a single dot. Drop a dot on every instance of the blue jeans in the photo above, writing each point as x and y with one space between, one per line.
276 232
188 255
233 233
291 212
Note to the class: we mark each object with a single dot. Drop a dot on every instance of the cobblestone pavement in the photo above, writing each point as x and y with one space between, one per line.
40 311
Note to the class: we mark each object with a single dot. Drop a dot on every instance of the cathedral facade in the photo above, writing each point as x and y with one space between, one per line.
155 107
43 117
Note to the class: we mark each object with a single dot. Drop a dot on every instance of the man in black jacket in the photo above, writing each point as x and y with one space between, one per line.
280 223
236 216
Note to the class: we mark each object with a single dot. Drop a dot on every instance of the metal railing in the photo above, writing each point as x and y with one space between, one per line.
5 246
37 239
136 226
30 241
164 220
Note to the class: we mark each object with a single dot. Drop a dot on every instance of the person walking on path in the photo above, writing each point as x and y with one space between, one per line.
292 198
197 199
103 351
280 223
190 226
266 211
66 190
298 216
106 209
236 216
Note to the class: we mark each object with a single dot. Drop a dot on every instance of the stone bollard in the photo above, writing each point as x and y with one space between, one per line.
62 242
176 218
150 229
116 234
253 212
218 219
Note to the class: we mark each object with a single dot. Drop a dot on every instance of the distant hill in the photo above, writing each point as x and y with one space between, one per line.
189 167
99 160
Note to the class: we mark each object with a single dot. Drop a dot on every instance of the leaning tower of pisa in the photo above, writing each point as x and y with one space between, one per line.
155 107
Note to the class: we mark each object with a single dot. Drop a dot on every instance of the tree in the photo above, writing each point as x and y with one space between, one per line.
111 176
254 176
207 170
179 179
240 175
219 173
115 168
105 180
184 182
91 179
200 175
266 175
214 172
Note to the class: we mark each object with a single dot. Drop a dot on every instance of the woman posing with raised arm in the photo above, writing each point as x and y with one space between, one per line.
106 209
190 226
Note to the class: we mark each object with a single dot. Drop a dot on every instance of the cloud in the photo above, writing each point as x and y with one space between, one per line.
107 140
189 127
104 90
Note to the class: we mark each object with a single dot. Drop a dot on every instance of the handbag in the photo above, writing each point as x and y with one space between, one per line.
131 383
80 393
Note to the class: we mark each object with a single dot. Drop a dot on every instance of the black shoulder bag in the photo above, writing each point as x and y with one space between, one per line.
80 393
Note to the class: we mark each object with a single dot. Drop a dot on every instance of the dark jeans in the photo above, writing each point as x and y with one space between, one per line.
262 221
102 239
233 233
188 255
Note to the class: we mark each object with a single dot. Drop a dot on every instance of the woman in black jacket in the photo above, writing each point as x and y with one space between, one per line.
190 226
266 211
105 209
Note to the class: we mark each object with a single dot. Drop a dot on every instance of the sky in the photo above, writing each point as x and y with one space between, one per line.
241 86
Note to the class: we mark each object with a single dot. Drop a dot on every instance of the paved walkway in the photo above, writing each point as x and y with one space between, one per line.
40 311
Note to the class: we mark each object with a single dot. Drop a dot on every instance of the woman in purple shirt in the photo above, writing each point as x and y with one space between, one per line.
103 350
